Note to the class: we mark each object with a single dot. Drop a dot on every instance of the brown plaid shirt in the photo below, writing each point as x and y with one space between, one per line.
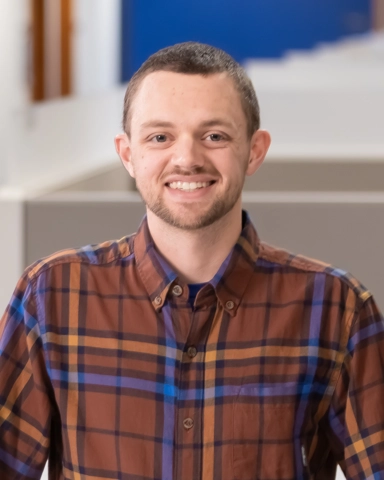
276 373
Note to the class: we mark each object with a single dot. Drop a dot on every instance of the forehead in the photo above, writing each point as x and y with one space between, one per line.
176 94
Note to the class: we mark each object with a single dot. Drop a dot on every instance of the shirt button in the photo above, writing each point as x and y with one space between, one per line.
230 305
158 301
177 290
188 423
192 352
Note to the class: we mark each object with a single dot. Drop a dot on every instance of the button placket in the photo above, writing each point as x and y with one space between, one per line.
191 406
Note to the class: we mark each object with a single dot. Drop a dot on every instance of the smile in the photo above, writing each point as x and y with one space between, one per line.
189 186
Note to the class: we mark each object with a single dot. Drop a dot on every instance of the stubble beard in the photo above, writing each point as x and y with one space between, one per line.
221 206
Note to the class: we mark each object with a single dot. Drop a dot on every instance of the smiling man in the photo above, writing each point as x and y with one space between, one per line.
191 349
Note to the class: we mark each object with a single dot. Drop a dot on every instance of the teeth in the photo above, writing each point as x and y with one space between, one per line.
189 187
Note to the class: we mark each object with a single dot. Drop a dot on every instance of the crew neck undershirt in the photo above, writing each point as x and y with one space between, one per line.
193 290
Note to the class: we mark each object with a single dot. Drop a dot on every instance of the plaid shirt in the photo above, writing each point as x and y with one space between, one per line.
105 369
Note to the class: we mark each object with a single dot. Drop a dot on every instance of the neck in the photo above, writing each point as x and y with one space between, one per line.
196 255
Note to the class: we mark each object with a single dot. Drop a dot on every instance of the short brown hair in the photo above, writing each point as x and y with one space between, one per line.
196 59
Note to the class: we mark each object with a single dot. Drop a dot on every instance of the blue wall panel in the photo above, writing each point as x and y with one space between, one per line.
244 28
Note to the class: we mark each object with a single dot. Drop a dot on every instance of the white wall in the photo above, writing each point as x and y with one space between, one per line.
320 123
13 78
61 139
96 45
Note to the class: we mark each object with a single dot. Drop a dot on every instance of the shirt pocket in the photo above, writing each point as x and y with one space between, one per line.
265 445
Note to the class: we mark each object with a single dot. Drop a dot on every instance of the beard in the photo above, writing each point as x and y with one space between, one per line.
188 215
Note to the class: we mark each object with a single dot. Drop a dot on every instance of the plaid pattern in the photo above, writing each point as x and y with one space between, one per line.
277 372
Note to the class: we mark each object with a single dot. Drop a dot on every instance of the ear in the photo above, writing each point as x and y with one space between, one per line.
260 142
123 149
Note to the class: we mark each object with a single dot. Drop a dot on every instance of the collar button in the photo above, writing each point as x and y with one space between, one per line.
230 305
158 300
177 290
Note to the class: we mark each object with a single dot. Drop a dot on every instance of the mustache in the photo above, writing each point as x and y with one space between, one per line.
191 171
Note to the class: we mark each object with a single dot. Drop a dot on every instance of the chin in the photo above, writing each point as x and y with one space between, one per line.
188 220
184 222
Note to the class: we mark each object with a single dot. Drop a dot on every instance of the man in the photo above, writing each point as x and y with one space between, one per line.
191 349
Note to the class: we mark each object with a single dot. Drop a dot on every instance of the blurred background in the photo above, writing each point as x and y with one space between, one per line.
318 70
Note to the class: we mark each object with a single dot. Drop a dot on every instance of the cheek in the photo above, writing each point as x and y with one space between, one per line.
242 162
155 162
235 167
146 169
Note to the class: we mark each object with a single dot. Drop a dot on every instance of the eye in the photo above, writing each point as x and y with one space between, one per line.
215 137
159 138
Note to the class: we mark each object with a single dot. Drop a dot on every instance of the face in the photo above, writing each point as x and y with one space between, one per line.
188 148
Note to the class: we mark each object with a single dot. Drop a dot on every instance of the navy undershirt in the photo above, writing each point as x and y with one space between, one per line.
193 290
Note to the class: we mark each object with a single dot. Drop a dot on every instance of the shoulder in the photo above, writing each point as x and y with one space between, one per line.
100 254
289 261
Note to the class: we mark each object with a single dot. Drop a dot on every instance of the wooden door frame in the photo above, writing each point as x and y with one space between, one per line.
37 50
66 47
378 15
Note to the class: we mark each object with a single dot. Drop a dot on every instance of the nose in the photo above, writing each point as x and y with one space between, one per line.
186 153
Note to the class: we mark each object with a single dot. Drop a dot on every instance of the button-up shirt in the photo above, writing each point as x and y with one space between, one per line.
275 372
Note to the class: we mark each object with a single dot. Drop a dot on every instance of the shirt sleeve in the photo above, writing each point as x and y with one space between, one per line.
356 414
25 390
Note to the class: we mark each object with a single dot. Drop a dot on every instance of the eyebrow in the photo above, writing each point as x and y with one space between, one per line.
208 123
216 122
156 124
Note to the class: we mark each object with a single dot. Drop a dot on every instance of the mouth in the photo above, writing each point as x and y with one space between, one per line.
189 186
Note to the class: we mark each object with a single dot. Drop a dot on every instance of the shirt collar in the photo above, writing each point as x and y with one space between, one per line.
229 283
